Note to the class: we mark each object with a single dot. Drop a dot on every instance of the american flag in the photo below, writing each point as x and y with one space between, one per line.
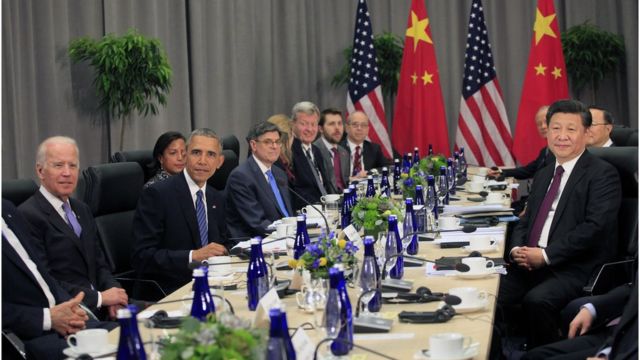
483 127
365 92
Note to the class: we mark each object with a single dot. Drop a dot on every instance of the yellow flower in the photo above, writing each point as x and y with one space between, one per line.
342 243
293 263
386 213
323 261
300 263
404 175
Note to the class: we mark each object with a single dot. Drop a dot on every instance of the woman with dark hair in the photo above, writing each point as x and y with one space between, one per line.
169 156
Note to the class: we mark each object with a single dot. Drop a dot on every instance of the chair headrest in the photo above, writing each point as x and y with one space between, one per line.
625 160
113 187
18 190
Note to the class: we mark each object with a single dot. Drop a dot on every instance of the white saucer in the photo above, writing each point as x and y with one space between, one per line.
70 352
470 352
468 249
463 308
477 275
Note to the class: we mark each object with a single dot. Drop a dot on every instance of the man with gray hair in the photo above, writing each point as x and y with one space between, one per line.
181 219
66 234
257 192
308 166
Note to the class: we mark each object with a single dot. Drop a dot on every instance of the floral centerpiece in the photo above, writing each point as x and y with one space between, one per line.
320 256
223 336
417 174
371 213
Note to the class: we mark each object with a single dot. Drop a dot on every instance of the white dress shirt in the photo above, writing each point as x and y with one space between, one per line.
12 239
263 168
193 189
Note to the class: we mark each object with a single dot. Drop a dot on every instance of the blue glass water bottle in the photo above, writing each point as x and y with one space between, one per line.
432 196
410 226
406 163
202 304
416 155
302 237
451 176
275 346
420 210
385 189
430 149
396 176
370 258
345 211
346 314
456 165
396 272
463 163
371 189
257 277
130 346
284 333
443 185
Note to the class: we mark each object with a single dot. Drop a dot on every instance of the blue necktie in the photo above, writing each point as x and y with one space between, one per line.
73 221
276 192
202 219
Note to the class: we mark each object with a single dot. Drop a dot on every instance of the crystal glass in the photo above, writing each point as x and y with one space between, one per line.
367 283
391 249
331 322
443 188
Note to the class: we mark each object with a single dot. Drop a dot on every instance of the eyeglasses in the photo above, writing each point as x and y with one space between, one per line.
270 142
358 125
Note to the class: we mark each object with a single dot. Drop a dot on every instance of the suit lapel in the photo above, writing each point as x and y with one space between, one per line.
58 223
345 159
541 184
577 174
188 210
264 187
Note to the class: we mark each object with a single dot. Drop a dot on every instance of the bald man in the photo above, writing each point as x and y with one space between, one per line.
365 155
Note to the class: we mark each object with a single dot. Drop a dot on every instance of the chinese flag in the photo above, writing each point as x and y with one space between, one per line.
545 81
419 118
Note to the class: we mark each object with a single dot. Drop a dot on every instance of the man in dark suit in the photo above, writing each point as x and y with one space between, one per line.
308 168
34 307
600 130
365 155
605 325
336 158
66 234
257 192
568 229
181 219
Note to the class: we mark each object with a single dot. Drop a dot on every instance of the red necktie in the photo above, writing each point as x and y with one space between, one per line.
337 166
543 211
357 162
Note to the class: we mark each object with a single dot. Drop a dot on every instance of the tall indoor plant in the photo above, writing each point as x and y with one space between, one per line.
131 73
591 54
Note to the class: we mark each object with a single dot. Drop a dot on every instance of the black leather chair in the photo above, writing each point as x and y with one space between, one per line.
219 179
142 157
12 346
112 194
624 136
230 142
625 160
18 190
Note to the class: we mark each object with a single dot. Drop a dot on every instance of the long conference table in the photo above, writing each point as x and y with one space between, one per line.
404 340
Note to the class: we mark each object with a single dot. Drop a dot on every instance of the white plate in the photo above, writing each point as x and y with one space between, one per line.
471 276
463 309
468 249
470 352
72 353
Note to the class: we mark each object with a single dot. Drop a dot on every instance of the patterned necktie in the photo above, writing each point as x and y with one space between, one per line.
357 162
545 207
337 166
71 218
202 219
276 192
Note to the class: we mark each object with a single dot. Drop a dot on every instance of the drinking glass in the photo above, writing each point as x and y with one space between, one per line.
391 249
331 322
443 188
367 284
430 203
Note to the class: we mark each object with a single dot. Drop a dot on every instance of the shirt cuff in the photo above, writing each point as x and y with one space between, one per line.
46 319
604 353
546 259
99 302
591 309
512 250
190 257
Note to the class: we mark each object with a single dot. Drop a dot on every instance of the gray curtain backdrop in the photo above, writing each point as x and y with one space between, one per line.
236 62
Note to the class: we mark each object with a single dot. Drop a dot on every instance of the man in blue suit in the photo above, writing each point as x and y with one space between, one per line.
181 219
257 192
34 306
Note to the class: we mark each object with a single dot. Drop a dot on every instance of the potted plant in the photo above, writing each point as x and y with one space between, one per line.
224 336
372 214
591 54
131 73
388 57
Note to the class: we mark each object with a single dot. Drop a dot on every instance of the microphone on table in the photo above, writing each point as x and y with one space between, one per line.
466 228
424 295
319 211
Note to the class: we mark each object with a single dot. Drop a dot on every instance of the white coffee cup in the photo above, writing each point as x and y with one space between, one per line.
220 266
329 198
495 198
448 223
481 242
469 296
482 171
478 179
89 340
448 345
478 265
311 212
475 186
